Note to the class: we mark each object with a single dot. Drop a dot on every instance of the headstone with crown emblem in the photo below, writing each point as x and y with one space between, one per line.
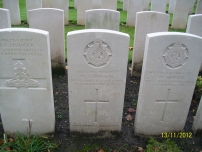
25 81
97 69
170 69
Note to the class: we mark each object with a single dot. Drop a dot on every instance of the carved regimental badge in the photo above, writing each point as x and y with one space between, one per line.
97 53
175 55
21 78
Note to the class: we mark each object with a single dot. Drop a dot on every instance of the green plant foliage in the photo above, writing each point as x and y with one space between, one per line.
22 143
199 83
166 146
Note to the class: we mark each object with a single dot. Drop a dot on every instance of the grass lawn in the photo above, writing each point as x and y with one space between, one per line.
72 20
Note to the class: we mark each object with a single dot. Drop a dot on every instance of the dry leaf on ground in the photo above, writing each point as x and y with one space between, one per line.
129 117
131 110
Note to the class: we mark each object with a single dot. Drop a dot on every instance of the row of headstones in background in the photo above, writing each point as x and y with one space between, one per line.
156 22
82 6
194 26
102 19
59 4
13 7
51 20
26 83
5 21
98 75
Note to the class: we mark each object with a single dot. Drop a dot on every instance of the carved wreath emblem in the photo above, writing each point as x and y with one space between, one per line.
175 55
97 53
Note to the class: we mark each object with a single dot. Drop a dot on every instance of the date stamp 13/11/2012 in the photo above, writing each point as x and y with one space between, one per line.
176 135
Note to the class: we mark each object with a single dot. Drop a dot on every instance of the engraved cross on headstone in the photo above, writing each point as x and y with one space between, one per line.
166 102
96 101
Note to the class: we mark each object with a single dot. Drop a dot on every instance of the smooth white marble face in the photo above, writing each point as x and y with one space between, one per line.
197 125
13 7
32 4
170 69
134 6
25 81
146 5
5 20
199 7
102 19
158 5
97 69
82 6
109 4
96 4
63 5
147 22
51 20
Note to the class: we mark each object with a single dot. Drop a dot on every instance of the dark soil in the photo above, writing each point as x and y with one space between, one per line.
126 141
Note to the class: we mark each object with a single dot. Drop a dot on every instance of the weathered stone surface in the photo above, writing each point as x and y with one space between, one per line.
197 125
96 4
43 19
194 26
156 22
181 14
102 19
169 73
125 5
46 4
109 4
97 67
171 6
159 5
5 21
146 5
13 7
63 5
134 6
199 7
82 6
75 4
191 6
32 4
26 82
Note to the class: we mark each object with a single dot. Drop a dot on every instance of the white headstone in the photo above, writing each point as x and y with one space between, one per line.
109 4
191 6
46 4
63 5
197 125
32 4
159 5
194 26
170 69
82 6
25 81
51 20
13 7
125 5
134 6
75 4
146 5
97 67
155 22
102 19
167 1
171 6
5 21
199 7
180 14
96 4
